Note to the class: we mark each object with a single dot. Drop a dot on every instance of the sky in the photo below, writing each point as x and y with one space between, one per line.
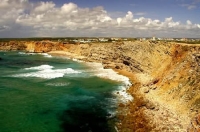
100 18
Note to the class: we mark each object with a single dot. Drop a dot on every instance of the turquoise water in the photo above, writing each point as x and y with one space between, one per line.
40 93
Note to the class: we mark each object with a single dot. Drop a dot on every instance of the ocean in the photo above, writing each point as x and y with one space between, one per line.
44 93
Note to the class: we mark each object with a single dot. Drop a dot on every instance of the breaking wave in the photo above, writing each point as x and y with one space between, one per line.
44 54
47 72
58 84
121 93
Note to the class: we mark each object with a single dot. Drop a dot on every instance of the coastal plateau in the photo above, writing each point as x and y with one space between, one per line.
165 78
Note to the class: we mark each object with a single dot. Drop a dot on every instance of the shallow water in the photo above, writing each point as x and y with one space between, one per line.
41 93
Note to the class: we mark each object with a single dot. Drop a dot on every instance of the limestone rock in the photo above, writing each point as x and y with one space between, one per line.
145 89
198 119
150 105
109 66
142 102
121 105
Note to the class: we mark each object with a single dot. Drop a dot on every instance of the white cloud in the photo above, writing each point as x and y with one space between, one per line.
129 15
189 6
44 6
68 8
2 28
189 22
21 17
140 13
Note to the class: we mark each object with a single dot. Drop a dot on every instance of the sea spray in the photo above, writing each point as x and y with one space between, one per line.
47 72
99 71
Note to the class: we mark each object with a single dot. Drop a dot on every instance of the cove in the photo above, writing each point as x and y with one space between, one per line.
43 93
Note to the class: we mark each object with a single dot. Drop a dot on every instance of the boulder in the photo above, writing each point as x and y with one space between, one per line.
109 66
145 89
142 102
121 105
150 105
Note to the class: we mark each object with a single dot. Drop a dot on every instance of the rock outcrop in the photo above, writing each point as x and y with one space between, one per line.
166 85
12 45
32 46
166 78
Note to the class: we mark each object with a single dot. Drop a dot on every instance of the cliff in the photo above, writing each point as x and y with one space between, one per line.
167 80
32 46
165 77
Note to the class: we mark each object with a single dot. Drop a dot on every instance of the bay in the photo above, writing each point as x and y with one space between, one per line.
41 93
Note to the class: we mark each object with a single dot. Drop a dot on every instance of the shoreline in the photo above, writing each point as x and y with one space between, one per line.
144 113
165 75
122 77
121 104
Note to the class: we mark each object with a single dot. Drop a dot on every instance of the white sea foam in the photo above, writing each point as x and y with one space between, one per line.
46 55
76 60
58 84
24 53
122 94
99 71
112 114
21 53
47 72
42 67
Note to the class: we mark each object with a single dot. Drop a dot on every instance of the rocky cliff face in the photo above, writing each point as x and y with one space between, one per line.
166 78
32 46
12 45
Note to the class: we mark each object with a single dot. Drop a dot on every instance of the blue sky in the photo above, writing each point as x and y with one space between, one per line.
155 9
165 18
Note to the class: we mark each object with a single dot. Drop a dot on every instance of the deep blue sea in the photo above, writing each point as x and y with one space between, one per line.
41 93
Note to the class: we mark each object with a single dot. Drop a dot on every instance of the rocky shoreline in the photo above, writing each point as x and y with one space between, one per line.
165 76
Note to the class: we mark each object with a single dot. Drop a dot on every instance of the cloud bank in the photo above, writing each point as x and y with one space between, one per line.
21 18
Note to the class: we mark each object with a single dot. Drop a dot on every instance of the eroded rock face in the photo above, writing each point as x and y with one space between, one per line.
173 80
12 45
32 46
195 124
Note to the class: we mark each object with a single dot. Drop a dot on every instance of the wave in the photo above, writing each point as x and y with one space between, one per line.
98 70
42 67
44 54
24 53
58 84
121 93
21 53
47 72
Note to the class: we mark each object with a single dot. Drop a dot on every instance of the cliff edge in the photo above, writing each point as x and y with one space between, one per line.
166 82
